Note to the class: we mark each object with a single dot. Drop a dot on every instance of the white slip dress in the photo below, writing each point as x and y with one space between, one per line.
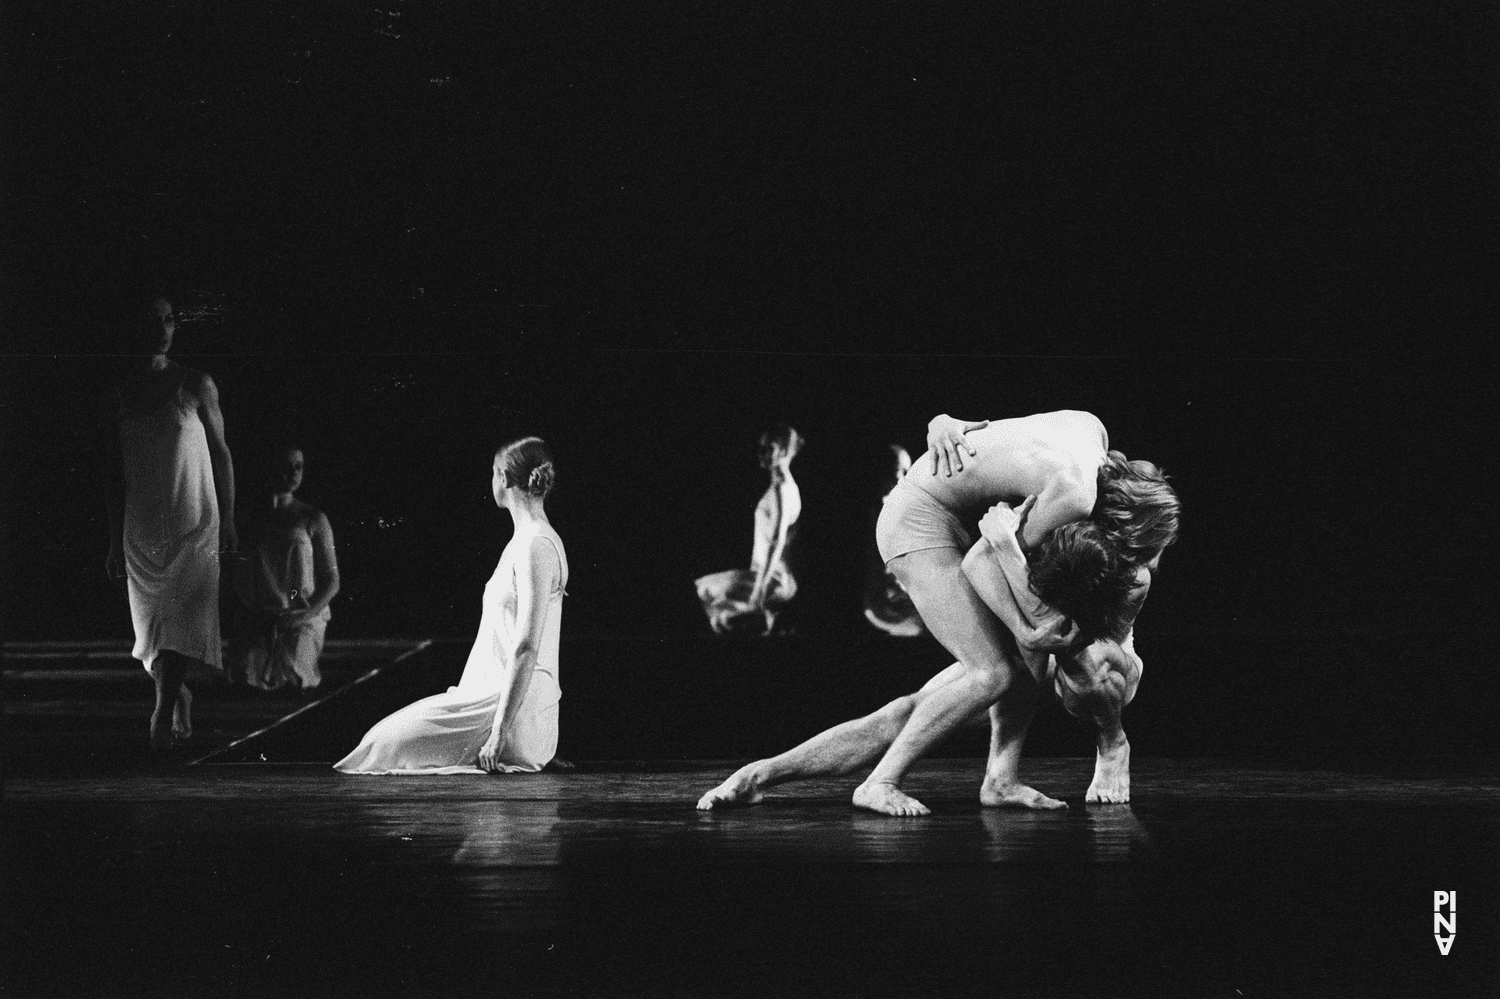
443 734
171 533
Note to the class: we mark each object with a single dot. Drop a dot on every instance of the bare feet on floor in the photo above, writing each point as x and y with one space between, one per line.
182 714
1111 775
1009 794
161 732
741 789
888 799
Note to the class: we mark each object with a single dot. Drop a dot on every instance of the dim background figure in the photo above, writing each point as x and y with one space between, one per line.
750 600
887 605
285 582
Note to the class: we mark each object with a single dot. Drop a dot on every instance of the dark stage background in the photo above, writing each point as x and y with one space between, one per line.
1254 239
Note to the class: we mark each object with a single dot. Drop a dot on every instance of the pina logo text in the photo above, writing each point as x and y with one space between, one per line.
1444 926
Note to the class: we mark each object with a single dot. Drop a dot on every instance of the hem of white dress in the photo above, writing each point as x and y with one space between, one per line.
440 771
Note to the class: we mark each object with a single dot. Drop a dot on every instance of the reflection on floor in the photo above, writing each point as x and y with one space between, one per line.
1218 880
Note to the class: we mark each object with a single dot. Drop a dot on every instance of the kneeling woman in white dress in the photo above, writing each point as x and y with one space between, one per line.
502 716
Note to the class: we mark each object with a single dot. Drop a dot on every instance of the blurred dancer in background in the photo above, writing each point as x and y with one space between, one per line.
749 600
887 606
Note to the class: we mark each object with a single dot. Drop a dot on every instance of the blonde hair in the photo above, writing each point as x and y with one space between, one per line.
1137 510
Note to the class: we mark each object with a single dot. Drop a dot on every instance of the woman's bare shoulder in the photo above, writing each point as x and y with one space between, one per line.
199 385
545 549
310 516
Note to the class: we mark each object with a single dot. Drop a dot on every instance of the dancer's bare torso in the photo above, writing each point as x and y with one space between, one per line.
1052 456
777 511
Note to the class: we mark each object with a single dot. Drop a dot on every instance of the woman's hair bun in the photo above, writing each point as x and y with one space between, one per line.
527 464
539 482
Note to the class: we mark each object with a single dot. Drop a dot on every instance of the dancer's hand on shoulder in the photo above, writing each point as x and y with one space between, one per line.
1002 518
946 443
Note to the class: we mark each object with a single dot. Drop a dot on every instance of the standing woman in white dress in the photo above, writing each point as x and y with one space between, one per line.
169 487
502 716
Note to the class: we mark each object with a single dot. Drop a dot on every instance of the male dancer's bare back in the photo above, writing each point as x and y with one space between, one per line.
1052 456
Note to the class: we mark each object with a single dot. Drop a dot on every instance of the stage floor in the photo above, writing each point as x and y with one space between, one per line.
1218 880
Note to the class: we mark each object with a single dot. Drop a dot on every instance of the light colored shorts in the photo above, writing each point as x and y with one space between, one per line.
913 521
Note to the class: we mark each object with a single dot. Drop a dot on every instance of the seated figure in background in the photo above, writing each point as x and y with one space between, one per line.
289 575
749 600
887 605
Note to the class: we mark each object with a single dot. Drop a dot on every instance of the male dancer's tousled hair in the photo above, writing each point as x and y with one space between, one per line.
1077 570
1137 510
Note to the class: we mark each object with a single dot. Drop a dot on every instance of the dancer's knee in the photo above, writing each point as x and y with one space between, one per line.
894 715
995 680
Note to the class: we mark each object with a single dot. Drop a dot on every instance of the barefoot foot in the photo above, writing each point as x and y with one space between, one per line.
888 799
995 794
1111 775
161 733
741 789
182 714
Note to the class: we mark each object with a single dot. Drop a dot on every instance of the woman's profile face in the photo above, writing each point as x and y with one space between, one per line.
497 484
157 324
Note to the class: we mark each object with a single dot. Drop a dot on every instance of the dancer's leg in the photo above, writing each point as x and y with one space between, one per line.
958 618
1010 717
182 714
168 671
831 753
1094 685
